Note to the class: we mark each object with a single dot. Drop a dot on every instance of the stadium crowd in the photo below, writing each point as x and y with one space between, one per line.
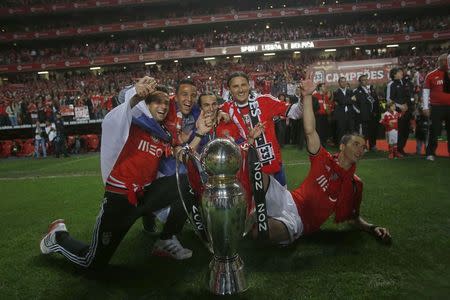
29 97
160 42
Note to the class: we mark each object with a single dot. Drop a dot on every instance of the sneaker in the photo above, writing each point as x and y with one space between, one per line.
430 157
171 248
391 155
49 240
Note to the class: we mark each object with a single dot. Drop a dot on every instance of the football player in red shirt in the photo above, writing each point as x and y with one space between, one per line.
134 140
247 110
436 91
210 126
330 187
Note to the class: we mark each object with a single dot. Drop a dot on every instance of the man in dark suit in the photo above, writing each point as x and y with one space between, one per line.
367 110
398 91
344 112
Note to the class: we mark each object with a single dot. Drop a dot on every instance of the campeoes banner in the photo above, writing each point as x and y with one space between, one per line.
377 70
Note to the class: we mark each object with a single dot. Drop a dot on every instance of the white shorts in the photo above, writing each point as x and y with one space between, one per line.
392 136
281 207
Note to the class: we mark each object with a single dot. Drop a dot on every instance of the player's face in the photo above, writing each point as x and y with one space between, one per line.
354 150
209 105
186 96
240 89
159 108
342 83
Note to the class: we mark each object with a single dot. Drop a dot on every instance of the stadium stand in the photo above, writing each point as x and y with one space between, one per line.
82 70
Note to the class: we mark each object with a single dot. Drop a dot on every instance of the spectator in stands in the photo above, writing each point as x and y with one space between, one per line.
11 111
32 111
3 115
39 141
50 130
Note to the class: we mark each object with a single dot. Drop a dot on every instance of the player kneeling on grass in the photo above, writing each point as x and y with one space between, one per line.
134 140
330 187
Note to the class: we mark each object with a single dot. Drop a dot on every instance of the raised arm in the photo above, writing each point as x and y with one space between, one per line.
144 87
309 120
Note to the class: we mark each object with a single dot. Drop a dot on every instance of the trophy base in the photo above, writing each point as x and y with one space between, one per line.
227 275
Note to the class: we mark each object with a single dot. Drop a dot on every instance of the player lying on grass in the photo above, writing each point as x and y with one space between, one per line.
331 187
134 140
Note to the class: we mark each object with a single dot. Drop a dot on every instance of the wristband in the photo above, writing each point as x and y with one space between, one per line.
199 135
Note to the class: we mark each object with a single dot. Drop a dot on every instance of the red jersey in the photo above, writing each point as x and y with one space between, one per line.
266 108
326 190
137 164
390 120
434 81
324 103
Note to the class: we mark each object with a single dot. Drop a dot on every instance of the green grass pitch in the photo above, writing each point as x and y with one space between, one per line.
410 196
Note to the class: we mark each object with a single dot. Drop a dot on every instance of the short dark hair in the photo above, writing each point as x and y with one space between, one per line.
361 77
237 74
159 90
199 100
347 137
394 71
184 81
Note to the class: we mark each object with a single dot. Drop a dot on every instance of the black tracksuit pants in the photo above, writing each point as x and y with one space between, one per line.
117 216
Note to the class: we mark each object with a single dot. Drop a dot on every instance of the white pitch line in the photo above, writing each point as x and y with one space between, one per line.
50 176
68 162
305 162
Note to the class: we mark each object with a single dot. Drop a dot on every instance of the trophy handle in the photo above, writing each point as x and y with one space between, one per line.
194 213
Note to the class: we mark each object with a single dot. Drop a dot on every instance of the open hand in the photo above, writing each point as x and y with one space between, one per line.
255 132
307 87
145 86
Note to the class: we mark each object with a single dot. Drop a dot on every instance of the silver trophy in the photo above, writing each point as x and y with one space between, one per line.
222 213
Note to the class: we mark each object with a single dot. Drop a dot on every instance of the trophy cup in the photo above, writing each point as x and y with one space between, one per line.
222 211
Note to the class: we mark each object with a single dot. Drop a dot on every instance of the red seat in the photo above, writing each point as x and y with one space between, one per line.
5 148
27 148
92 142
19 144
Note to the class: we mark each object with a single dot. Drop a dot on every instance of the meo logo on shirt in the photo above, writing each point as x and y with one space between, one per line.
149 148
